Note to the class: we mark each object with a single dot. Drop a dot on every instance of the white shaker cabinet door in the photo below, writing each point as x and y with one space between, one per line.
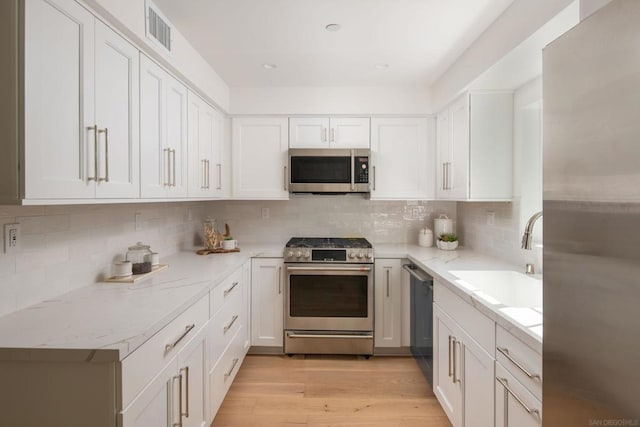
349 132
267 302
192 366
443 154
117 115
259 147
388 303
447 383
163 133
403 153
59 100
308 132
157 404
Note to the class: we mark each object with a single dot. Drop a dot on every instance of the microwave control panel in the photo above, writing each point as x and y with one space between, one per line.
361 173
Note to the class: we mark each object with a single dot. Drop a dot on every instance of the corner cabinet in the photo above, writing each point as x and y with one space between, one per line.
403 158
81 105
163 133
474 143
329 132
267 302
464 375
388 303
259 153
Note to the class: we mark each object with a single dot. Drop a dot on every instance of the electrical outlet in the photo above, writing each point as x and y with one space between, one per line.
11 238
265 213
138 221
491 218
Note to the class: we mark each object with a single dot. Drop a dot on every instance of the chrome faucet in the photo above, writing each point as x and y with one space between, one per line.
528 231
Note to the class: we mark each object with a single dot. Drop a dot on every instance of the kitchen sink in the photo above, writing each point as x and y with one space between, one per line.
503 287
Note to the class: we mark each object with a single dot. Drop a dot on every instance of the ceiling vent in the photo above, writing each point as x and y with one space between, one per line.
158 26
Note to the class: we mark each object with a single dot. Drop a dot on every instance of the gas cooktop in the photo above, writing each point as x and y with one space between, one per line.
328 242
333 249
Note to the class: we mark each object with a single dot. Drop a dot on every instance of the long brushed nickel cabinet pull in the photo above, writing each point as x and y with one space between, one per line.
219 166
94 128
187 329
230 325
504 383
106 155
231 288
186 389
230 371
387 283
173 184
166 171
451 339
505 352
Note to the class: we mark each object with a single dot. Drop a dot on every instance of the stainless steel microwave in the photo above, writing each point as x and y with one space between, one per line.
332 170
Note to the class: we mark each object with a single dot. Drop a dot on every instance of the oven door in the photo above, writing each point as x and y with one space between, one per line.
329 297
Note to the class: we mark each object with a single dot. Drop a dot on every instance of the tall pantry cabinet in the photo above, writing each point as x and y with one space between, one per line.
81 104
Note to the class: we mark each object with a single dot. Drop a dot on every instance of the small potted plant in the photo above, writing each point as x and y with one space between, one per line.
229 243
448 241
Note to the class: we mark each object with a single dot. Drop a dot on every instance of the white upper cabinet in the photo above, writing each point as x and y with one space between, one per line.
163 133
403 158
205 149
81 106
334 132
475 147
259 152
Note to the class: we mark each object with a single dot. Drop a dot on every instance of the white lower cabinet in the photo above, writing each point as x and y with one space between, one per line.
267 302
463 378
388 303
176 396
518 382
515 405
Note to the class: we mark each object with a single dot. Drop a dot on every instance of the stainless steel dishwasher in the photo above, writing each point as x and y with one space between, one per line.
421 295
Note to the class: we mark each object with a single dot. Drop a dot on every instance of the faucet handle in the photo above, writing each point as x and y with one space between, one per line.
529 269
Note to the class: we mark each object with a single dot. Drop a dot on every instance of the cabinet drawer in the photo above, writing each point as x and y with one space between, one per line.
476 324
224 372
143 364
224 325
524 363
222 293
514 405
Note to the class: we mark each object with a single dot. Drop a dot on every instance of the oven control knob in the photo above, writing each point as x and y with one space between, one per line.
289 254
352 255
360 255
298 254
307 254
369 255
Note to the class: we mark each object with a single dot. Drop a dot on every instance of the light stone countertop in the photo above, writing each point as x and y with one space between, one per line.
523 322
108 321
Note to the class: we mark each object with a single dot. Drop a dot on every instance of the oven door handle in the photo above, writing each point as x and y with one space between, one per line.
328 268
359 336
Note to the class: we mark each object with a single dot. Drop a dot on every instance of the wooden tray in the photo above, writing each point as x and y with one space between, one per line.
216 251
136 277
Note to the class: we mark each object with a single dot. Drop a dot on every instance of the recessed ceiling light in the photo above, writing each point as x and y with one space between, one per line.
333 27
269 66
382 66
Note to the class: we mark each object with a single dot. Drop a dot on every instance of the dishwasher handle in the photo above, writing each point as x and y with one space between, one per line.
418 274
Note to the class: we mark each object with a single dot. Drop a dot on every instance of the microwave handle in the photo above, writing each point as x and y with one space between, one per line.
353 170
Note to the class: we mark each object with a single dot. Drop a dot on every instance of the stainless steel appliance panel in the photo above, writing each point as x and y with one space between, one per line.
328 342
592 221
336 170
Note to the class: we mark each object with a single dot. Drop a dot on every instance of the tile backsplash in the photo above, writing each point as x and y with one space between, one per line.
67 247
338 216
495 229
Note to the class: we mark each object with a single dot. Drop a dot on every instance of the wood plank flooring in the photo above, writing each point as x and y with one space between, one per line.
330 391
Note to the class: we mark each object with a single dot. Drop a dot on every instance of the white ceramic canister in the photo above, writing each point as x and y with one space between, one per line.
442 225
425 237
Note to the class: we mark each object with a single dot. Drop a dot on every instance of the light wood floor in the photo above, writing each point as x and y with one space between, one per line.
323 391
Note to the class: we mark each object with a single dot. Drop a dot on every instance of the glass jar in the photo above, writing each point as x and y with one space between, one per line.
211 236
140 257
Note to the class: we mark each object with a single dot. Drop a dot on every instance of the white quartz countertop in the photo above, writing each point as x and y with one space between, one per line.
107 321
448 267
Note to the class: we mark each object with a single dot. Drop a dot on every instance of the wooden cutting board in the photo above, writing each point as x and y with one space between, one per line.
216 251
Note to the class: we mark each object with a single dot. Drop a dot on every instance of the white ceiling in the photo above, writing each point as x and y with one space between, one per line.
419 39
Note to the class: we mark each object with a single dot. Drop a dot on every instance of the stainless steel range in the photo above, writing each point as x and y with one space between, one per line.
328 296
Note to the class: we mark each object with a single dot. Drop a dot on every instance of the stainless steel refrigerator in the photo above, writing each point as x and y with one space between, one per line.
591 95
